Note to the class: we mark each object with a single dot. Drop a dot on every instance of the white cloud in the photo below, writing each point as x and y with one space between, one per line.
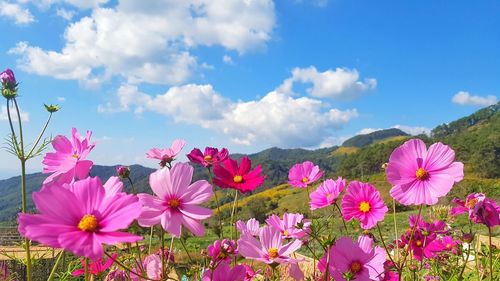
227 59
275 119
16 12
25 116
465 98
65 14
81 4
414 130
61 99
149 43
340 83
366 131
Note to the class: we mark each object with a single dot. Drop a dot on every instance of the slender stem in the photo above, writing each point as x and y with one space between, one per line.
56 265
14 137
465 263
139 255
162 251
150 241
185 249
86 268
491 252
126 268
396 257
385 246
232 211
169 253
342 217
219 214
23 209
401 266
20 128
39 137
131 185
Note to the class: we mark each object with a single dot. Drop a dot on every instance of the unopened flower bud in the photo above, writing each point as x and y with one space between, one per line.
123 171
467 237
413 267
9 84
52 108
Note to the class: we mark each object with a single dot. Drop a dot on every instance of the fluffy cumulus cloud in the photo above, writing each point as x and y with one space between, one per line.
25 116
149 43
412 130
81 4
341 83
275 119
16 12
465 98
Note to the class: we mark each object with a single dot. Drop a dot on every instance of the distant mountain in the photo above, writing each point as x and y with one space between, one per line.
367 139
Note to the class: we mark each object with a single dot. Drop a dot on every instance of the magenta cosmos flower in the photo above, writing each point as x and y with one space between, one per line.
362 201
292 225
480 208
8 79
303 174
210 157
421 176
360 261
270 248
240 178
166 155
176 201
80 217
224 272
222 250
96 267
326 194
68 162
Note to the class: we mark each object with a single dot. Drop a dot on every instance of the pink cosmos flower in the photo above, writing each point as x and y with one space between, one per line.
250 273
270 248
68 162
362 201
326 194
480 208
292 225
166 155
80 217
96 267
303 174
176 201
224 272
152 264
239 178
117 275
445 244
359 260
210 157
421 176
251 227
222 250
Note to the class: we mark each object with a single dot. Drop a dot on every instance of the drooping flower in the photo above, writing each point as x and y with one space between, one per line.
166 155
210 157
251 227
80 217
96 267
177 200
68 162
238 177
421 176
360 261
362 201
224 272
304 174
123 171
480 208
222 250
269 248
292 225
326 194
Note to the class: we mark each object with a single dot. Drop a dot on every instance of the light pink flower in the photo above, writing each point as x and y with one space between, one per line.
270 248
289 226
251 227
80 218
177 200
152 264
421 176
166 155
68 162
210 157
362 201
222 250
96 267
326 194
224 272
359 260
303 174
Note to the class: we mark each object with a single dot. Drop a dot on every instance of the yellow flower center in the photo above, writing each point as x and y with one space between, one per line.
448 246
285 232
364 207
76 156
421 174
238 179
174 203
328 195
88 223
418 243
471 203
273 253
305 179
208 158
355 267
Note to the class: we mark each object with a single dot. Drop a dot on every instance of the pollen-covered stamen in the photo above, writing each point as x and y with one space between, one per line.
305 179
208 158
418 243
364 207
285 232
448 246
174 203
238 179
355 267
88 223
471 203
328 195
422 174
273 253
75 155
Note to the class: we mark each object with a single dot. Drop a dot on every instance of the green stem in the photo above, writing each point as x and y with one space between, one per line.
465 263
185 249
39 137
396 257
20 128
86 268
385 246
150 241
232 211
54 268
162 251
131 185
14 138
491 252
341 217
169 253
23 209
221 233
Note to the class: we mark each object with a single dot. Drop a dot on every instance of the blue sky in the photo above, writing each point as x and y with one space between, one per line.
246 75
